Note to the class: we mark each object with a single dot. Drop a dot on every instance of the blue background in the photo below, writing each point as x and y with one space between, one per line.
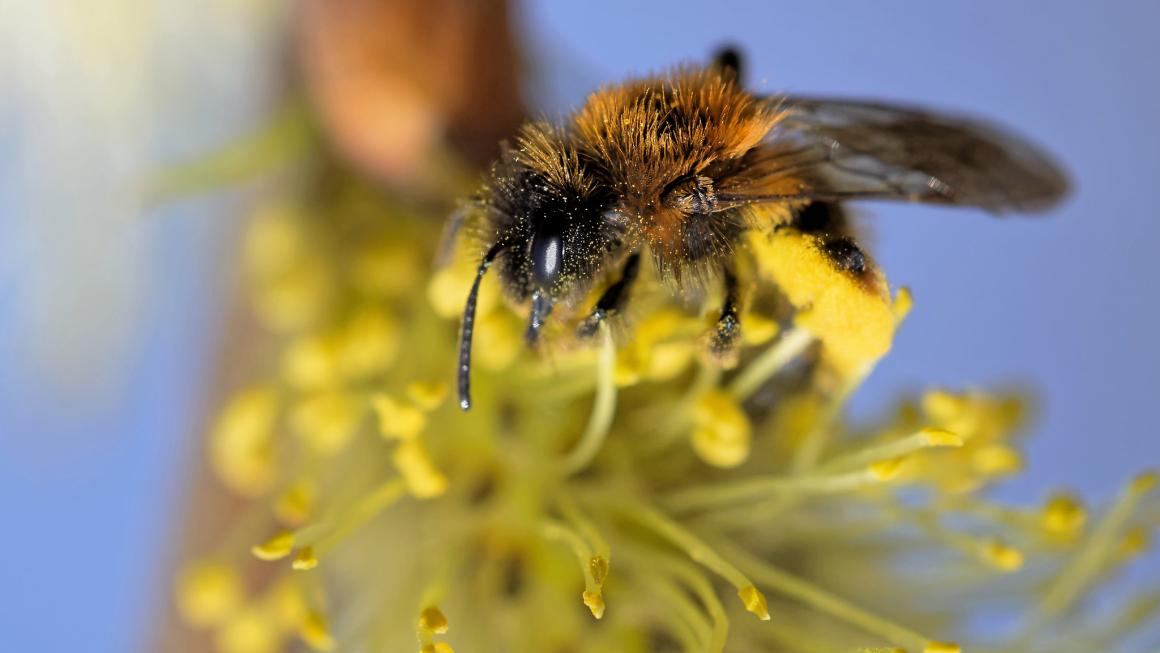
1067 304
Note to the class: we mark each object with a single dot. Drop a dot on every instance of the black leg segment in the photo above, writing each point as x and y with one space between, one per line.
613 299
726 334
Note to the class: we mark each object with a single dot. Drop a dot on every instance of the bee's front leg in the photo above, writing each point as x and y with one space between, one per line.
613 299
725 337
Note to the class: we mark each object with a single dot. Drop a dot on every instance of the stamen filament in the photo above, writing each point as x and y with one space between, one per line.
603 409
1082 570
922 439
822 600
697 550
329 535
770 362
764 487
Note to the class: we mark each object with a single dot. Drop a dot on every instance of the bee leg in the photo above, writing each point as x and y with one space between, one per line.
725 337
613 299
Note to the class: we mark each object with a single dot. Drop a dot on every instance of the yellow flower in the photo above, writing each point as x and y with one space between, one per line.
619 494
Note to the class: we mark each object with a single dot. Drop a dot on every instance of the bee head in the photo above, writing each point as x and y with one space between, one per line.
545 215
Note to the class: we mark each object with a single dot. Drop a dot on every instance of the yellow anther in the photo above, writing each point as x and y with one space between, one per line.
504 337
398 420
386 269
326 422
1136 541
241 447
754 601
1003 557
936 437
368 343
1144 482
305 560
286 603
277 547
944 406
312 362
595 603
885 470
296 505
316 633
1063 515
207 593
668 359
296 299
432 620
449 287
250 631
427 395
942 647
422 478
758 329
997 460
721 431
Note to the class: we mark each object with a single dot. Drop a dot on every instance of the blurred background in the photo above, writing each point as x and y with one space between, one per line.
113 307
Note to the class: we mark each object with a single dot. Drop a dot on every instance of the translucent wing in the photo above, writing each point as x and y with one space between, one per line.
828 149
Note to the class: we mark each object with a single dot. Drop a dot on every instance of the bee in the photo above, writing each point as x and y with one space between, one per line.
677 167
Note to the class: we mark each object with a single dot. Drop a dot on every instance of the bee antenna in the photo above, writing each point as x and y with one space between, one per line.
728 60
469 328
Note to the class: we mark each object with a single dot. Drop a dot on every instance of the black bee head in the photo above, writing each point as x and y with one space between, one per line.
545 218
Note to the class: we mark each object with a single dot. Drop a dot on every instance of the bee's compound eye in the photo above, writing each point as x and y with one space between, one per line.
547 259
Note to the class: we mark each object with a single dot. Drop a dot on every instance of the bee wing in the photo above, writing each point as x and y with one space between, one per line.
830 149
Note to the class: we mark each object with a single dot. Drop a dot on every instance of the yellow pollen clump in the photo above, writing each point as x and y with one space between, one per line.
398 420
903 303
437 647
208 593
277 547
721 431
754 601
853 317
422 478
326 422
305 560
316 633
241 446
942 647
